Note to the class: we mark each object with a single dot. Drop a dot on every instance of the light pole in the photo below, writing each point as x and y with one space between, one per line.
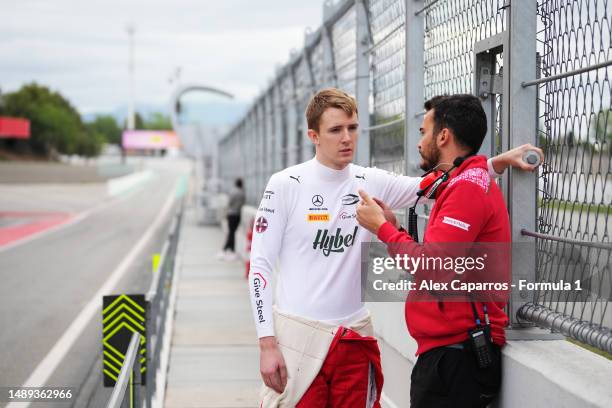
207 155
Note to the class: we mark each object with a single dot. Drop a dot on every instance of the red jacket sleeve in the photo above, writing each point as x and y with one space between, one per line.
462 214
460 218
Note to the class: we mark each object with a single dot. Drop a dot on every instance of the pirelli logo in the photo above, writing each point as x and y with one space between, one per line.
317 217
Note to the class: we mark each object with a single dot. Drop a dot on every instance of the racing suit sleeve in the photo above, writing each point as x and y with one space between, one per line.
268 231
401 191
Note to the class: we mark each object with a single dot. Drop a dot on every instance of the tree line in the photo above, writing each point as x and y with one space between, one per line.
56 127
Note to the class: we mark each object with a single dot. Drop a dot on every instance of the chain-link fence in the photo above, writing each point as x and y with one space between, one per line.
387 58
574 193
542 70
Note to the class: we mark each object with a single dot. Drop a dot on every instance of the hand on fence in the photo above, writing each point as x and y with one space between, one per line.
514 157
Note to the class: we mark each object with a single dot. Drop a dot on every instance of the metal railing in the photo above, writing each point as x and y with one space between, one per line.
128 378
158 298
543 72
157 301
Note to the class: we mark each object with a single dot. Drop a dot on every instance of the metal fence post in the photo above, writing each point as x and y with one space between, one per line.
151 318
278 127
261 145
329 64
362 83
519 121
291 128
413 83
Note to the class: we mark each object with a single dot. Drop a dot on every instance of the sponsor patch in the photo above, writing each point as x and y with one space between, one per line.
266 209
478 176
317 217
456 223
350 199
347 216
261 225
268 194
328 242
317 200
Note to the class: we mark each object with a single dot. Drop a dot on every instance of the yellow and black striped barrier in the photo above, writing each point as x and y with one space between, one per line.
122 315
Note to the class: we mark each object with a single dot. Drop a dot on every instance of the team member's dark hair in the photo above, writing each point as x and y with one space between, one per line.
463 114
238 183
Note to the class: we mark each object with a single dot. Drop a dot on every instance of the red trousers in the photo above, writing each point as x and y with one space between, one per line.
351 375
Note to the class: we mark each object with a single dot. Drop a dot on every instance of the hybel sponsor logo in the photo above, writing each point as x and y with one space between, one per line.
258 281
266 209
317 217
333 243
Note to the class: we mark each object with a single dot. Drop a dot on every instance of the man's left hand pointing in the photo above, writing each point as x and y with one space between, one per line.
369 214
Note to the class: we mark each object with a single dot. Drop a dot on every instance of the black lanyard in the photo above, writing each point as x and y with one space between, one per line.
477 318
413 229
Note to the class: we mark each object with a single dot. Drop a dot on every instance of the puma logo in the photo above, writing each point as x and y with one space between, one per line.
361 177
296 178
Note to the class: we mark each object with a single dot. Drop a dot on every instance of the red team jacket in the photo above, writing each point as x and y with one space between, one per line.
469 207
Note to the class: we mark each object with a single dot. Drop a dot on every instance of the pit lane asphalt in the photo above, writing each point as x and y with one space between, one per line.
46 282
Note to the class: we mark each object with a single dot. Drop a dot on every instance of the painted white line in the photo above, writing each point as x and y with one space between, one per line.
80 217
41 374
388 401
120 185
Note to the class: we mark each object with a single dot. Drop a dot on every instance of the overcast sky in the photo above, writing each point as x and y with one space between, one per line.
80 48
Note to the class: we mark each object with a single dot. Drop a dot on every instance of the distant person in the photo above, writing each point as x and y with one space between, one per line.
236 201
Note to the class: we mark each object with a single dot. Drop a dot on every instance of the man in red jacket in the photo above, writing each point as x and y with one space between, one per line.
468 208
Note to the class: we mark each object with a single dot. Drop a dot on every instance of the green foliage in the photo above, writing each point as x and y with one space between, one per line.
155 121
158 121
55 125
92 144
602 127
107 127
139 123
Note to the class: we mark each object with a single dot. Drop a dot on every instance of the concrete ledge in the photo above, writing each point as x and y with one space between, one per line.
123 184
536 373
554 373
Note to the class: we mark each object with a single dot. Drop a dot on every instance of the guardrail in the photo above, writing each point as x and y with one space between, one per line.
130 371
157 300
